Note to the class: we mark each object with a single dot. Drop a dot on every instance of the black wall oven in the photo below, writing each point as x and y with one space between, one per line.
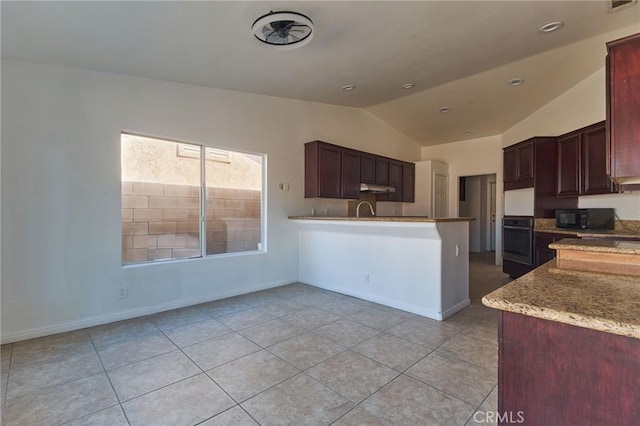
517 239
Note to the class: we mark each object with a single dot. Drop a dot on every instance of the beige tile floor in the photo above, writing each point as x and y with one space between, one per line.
294 355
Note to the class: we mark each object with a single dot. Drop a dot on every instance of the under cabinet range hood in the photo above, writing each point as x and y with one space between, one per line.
372 188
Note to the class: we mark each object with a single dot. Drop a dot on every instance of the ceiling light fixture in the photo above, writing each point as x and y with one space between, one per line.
444 110
468 132
348 87
516 82
550 27
283 30
408 86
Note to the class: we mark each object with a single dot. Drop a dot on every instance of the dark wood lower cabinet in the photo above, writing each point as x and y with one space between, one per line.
515 269
551 373
542 252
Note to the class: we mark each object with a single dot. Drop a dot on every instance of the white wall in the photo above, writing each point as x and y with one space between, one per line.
415 266
61 189
424 181
468 158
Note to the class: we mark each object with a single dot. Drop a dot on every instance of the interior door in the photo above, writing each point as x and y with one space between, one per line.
440 198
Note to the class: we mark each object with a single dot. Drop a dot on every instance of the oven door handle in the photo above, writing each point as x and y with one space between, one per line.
525 228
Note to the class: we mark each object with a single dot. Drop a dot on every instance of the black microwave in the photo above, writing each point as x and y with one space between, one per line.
585 218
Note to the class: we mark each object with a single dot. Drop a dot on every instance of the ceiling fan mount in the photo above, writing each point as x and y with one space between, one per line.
283 30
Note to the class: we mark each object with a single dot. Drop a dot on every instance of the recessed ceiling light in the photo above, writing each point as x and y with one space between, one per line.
445 109
468 132
550 27
408 86
348 87
516 81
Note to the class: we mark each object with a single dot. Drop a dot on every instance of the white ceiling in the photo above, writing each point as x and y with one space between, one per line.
457 53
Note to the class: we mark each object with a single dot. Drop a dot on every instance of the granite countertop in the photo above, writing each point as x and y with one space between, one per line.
626 229
600 246
600 233
385 218
603 302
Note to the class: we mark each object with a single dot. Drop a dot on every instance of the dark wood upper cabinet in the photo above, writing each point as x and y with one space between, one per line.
395 180
333 171
408 182
594 162
525 162
510 166
532 164
367 168
350 174
382 171
582 160
623 98
518 166
568 165
322 170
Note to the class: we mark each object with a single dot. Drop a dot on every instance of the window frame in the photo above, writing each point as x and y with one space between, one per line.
262 245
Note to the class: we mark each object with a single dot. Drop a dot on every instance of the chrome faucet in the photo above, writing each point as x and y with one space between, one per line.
361 203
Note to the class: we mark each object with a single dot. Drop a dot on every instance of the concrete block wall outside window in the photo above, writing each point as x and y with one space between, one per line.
161 221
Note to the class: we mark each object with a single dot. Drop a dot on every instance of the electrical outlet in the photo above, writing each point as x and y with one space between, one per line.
367 278
123 293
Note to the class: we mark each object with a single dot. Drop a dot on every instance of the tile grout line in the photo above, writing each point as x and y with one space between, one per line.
302 331
113 389
237 404
6 391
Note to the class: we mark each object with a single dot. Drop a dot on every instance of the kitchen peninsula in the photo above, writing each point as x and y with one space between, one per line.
569 340
416 264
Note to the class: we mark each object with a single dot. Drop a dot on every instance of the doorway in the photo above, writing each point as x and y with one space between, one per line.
477 198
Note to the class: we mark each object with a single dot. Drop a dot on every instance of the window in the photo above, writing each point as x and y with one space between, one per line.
184 201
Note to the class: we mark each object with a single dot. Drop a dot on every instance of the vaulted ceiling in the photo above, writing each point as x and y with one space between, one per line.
458 54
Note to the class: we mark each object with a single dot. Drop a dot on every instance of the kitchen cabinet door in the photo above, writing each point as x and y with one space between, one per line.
569 165
322 170
545 366
367 168
350 174
525 162
510 165
395 180
594 162
543 253
382 171
518 166
623 97
408 182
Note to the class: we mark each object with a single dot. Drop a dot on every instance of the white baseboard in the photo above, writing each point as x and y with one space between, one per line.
455 309
134 313
414 309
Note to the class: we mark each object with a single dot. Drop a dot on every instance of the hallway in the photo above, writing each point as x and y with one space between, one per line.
484 275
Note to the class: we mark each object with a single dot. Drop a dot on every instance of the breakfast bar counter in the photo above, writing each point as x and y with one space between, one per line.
417 264
386 219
